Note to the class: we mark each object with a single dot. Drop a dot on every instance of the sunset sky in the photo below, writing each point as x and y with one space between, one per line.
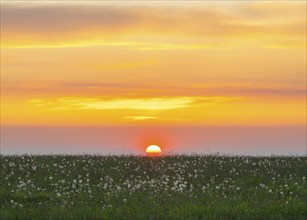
153 63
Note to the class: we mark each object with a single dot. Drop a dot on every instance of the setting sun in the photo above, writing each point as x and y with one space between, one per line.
153 150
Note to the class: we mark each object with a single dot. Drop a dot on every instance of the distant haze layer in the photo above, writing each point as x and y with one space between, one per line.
134 140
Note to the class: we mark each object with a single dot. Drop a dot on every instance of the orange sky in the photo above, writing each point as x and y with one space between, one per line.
146 63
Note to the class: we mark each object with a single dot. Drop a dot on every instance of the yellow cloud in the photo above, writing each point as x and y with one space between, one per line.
98 103
138 118
136 45
150 104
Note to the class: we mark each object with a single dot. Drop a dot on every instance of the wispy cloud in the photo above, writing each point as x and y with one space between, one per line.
148 104
151 104
139 118
148 89
151 27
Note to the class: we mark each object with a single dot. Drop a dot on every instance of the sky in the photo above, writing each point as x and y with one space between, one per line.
153 64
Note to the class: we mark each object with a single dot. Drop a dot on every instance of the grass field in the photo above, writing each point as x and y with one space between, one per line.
169 187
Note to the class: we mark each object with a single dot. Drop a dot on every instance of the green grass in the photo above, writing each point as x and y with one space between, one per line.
170 187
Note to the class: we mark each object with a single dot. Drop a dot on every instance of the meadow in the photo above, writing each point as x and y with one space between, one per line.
166 187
